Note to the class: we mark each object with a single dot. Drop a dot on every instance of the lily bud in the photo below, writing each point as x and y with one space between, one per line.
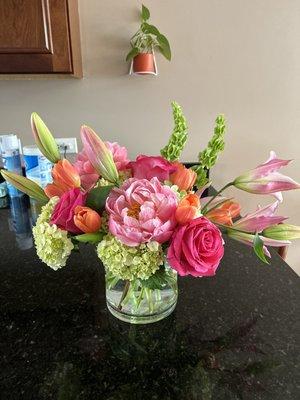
44 139
99 155
25 185
282 232
248 239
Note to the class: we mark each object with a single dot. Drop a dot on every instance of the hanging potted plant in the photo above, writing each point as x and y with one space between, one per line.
143 43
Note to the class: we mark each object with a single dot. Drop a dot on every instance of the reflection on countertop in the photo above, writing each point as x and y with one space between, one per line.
233 336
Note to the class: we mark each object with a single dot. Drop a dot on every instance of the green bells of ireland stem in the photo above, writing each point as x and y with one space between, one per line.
209 156
178 138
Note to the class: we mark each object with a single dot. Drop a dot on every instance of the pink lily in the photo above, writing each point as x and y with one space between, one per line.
99 155
259 219
248 239
266 179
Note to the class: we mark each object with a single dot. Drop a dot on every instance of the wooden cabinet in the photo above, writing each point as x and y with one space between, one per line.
40 37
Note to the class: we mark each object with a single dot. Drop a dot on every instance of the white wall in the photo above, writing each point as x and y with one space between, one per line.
238 57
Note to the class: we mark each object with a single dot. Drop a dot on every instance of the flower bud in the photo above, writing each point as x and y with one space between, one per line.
87 220
25 185
184 178
188 209
44 139
282 232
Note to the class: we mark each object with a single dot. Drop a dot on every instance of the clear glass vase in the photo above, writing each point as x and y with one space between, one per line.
138 302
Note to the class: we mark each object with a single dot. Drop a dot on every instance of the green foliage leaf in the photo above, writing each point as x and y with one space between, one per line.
151 29
133 52
157 280
258 246
164 46
97 197
145 13
89 237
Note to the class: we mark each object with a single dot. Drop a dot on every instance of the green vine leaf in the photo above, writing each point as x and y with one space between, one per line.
147 28
145 13
164 46
133 52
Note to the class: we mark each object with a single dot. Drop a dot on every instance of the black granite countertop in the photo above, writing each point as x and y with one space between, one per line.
233 336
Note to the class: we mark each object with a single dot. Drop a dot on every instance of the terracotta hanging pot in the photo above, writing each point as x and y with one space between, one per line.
144 63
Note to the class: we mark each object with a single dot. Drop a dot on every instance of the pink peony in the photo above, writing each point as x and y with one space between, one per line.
145 167
87 172
119 155
141 211
196 248
64 211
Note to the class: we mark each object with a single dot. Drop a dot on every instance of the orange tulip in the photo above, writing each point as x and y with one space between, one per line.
86 219
65 177
184 178
225 213
187 209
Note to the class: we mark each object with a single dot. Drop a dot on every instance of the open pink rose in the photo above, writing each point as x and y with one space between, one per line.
196 248
145 167
64 211
141 211
119 155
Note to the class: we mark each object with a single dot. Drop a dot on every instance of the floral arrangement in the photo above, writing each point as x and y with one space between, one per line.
146 217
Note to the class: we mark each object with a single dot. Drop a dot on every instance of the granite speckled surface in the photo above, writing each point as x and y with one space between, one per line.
233 336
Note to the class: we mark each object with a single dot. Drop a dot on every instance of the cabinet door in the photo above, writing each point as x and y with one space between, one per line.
35 36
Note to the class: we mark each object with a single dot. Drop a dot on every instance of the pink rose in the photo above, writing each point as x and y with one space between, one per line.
64 211
141 211
119 155
88 174
145 167
196 248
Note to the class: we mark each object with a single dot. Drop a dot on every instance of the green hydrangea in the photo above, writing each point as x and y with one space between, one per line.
127 262
52 244
178 138
47 210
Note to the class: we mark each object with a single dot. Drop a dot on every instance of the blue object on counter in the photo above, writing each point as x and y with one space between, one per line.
37 167
11 159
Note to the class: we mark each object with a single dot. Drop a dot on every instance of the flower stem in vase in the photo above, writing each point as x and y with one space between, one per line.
125 291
